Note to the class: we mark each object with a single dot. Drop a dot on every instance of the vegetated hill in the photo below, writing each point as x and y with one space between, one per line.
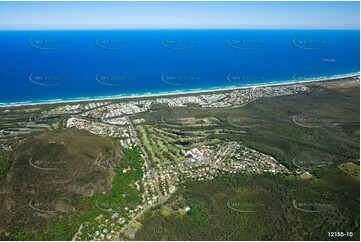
258 207
50 172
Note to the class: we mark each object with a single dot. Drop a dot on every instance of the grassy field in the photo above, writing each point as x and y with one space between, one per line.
164 144
351 169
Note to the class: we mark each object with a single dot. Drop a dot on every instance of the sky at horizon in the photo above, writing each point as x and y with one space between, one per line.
179 15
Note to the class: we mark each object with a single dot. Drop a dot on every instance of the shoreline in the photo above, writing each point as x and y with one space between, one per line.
182 93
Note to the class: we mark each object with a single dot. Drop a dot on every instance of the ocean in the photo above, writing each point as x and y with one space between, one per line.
41 66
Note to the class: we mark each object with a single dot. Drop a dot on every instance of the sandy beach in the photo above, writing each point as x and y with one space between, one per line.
178 93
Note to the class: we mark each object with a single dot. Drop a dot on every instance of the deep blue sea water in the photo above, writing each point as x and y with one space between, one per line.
38 66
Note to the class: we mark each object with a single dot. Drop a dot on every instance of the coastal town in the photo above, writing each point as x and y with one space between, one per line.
235 98
173 150
161 180
161 176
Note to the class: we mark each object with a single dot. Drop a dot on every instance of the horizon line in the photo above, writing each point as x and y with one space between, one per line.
141 29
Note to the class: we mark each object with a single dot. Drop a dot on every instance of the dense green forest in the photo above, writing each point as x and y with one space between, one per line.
267 209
